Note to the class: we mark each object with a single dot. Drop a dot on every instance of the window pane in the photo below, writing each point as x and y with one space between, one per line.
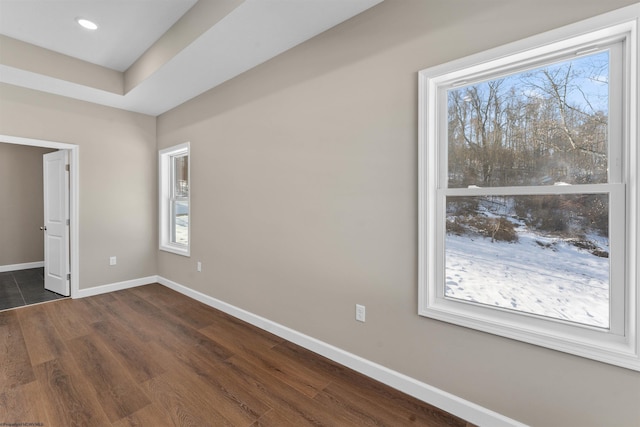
538 127
546 255
180 226
181 176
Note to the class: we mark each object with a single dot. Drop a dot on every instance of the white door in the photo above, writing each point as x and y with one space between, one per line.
56 228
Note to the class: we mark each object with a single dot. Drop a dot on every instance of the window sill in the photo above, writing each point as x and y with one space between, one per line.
176 250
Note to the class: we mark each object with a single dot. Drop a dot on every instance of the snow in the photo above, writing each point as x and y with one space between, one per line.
182 222
182 229
540 275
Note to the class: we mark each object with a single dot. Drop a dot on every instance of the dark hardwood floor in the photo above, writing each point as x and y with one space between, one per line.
152 357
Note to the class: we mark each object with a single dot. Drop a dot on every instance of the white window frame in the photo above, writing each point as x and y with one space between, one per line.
617 345
166 185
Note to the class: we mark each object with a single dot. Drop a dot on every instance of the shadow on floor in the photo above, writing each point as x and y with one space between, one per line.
24 287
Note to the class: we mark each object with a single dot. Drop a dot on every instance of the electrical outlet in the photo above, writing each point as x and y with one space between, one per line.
198 266
112 260
360 313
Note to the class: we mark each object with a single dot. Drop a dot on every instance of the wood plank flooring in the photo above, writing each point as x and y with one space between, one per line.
149 356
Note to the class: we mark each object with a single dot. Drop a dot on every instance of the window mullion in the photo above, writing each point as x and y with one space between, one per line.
528 190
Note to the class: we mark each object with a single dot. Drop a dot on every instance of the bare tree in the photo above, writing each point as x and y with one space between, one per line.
537 127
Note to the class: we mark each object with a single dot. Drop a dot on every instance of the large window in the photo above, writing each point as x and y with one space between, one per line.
529 190
174 199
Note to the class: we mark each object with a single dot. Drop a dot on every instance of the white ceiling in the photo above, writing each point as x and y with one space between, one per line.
127 28
252 33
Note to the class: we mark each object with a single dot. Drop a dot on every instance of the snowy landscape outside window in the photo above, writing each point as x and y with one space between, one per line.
525 208
514 248
174 199
180 199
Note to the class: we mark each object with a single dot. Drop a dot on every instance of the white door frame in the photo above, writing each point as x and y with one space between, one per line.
74 205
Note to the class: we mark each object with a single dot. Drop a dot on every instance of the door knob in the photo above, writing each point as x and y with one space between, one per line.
43 228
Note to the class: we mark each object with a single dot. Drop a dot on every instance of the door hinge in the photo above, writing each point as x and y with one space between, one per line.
68 222
66 168
68 276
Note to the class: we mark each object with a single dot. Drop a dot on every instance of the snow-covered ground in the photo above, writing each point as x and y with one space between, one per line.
182 229
552 278
182 222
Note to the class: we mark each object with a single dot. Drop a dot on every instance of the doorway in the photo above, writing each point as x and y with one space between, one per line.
63 271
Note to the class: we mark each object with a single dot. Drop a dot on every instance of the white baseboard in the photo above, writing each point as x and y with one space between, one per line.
23 266
457 406
112 287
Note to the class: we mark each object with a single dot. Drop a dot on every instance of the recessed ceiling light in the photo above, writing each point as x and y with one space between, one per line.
89 25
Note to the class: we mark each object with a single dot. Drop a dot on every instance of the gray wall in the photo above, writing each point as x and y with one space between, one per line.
304 202
118 183
21 209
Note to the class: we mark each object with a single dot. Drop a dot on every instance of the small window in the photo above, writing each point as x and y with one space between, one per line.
174 199
529 189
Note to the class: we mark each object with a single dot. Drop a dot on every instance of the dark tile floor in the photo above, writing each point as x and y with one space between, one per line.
23 287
